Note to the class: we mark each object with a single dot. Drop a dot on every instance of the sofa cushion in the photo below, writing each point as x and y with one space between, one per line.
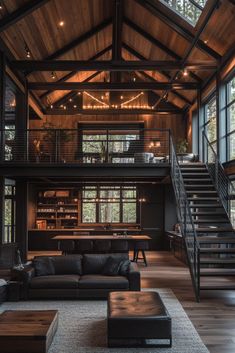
111 266
124 268
44 266
55 282
94 263
68 265
103 282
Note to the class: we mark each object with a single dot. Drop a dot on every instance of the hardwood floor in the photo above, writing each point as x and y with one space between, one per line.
213 317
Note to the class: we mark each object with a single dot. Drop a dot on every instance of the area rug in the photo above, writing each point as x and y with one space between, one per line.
82 326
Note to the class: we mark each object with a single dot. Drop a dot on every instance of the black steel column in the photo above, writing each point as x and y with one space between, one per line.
22 217
2 208
199 132
218 111
2 102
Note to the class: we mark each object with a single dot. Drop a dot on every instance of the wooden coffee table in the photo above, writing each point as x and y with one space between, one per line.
27 331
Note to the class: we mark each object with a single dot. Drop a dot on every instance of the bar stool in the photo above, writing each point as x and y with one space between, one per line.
66 246
102 246
119 246
140 246
84 246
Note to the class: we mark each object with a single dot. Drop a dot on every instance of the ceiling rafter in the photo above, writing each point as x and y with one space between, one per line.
73 93
210 12
119 65
73 73
141 57
20 13
157 43
113 86
157 12
159 111
76 42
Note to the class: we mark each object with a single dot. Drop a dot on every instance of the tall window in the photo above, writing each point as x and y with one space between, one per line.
106 204
9 210
190 10
210 126
108 146
230 107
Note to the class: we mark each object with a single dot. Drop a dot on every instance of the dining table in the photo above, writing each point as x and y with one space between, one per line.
134 238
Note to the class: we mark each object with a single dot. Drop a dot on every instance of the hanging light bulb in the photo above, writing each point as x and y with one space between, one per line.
28 54
53 76
185 72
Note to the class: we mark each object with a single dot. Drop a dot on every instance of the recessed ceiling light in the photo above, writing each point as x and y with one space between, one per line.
70 99
61 23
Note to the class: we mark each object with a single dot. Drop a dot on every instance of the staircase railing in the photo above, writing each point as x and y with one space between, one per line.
222 183
186 222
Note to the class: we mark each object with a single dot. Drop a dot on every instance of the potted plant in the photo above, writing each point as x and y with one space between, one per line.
182 146
63 136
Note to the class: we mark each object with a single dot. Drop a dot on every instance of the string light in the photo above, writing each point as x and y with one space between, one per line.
96 99
185 72
70 99
53 75
61 23
132 99
28 54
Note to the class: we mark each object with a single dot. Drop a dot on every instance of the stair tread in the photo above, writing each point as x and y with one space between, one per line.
203 198
201 213
201 192
217 272
199 180
205 206
216 240
217 287
214 230
198 186
215 261
198 221
217 251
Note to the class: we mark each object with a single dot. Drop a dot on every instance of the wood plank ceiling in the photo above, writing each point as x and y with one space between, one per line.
87 34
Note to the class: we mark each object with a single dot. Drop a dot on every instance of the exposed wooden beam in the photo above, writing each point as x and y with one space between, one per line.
157 43
114 86
117 30
72 65
141 57
112 111
210 12
116 76
83 38
73 73
73 93
20 13
156 10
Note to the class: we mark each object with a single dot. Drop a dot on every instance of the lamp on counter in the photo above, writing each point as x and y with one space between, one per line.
141 201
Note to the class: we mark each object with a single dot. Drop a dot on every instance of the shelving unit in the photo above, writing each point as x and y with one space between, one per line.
57 209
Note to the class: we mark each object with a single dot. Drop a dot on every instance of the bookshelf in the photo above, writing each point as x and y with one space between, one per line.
57 209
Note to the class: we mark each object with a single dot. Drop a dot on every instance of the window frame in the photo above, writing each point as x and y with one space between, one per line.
98 200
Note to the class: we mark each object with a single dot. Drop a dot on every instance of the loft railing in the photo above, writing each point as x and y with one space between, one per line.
86 146
188 230
222 183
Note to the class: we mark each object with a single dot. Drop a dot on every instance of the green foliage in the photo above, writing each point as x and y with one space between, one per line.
182 146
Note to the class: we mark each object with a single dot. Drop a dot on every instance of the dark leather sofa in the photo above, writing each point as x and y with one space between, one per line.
78 276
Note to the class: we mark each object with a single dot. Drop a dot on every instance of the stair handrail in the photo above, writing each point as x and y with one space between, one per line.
185 218
221 181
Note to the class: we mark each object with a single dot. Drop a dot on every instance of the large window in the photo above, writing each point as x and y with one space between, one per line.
209 126
190 10
9 212
108 146
231 119
106 204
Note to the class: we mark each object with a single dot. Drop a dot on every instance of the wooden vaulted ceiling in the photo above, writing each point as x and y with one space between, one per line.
150 31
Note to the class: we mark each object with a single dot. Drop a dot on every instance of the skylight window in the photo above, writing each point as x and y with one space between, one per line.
190 10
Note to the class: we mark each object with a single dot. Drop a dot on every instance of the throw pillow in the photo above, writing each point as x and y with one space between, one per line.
124 267
68 265
44 266
111 267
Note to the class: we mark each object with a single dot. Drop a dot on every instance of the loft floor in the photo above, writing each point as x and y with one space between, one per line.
213 317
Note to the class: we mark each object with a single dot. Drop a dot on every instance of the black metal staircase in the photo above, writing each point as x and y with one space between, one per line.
205 224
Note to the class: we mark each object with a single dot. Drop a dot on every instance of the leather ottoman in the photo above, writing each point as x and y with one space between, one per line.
138 319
